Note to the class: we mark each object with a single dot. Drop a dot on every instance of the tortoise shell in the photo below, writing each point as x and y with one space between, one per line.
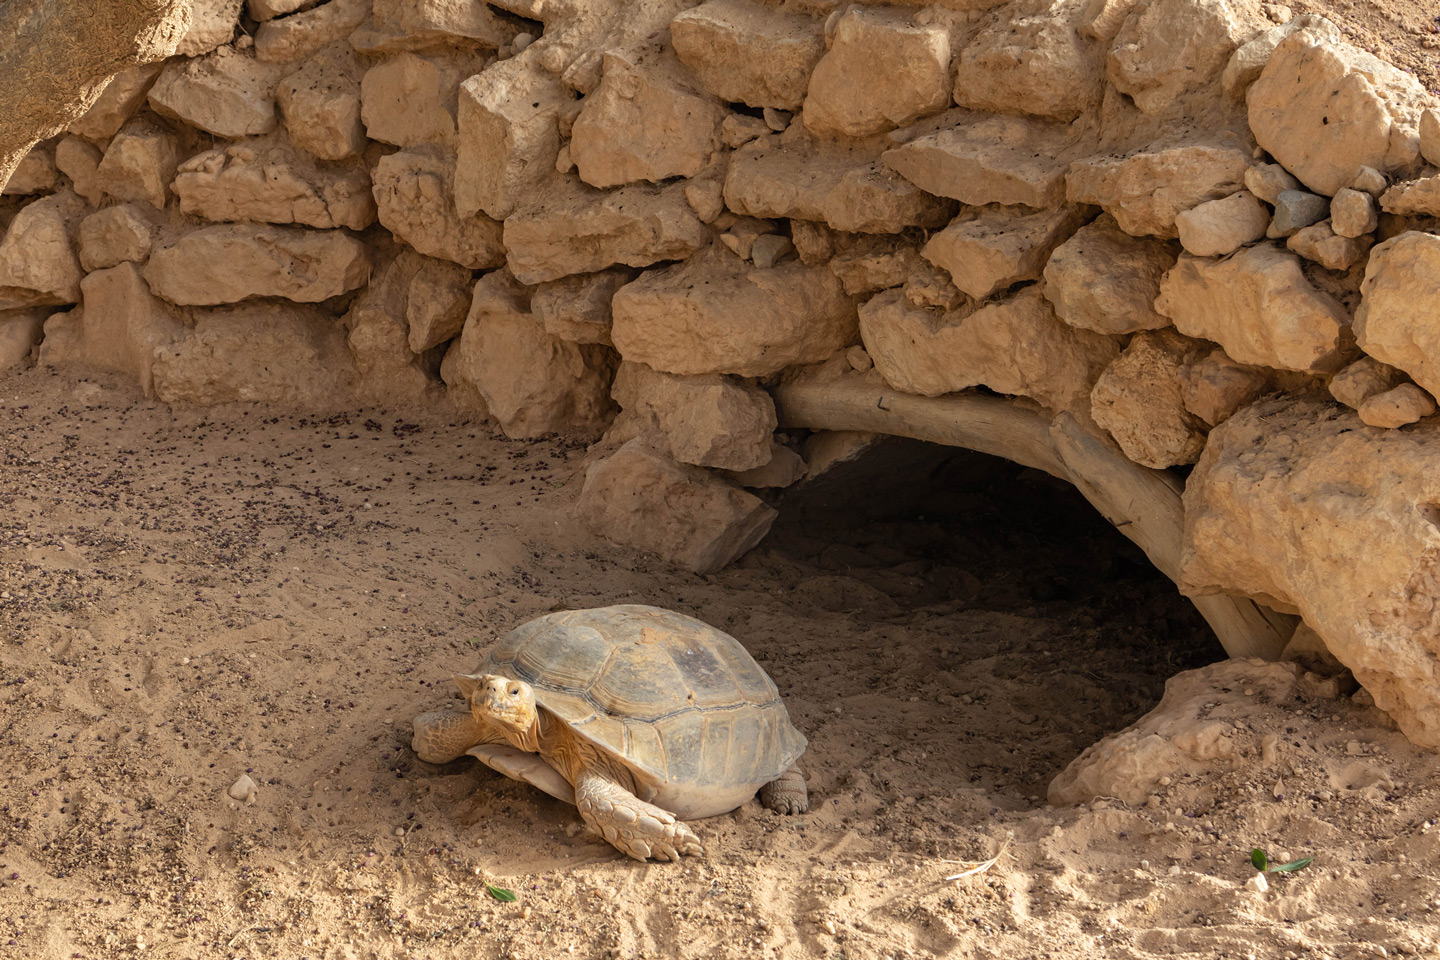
682 704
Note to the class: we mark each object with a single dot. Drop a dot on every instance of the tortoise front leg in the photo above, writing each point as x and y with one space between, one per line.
640 829
787 793
443 735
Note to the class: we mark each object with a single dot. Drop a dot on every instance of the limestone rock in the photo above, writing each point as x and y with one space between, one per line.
990 248
299 35
1006 160
118 102
1145 192
413 24
1319 244
1219 227
20 331
1173 47
883 70
1413 198
1200 726
770 249
1353 214
80 161
533 383
1403 405
320 103
1104 280
212 24
1295 209
1249 60
875 263
36 174
414 202
1014 346
641 499
1258 305
1300 503
225 93
114 235
124 324
436 303
1031 60
508 135
256 353
1362 380
380 335
1268 180
738 129
641 124
716 314
708 420
262 10
409 100
784 468
37 263
577 308
230 262
579 230
748 52
1323 110
1430 135
1139 400
1214 387
267 182
1398 321
1371 181
842 185
139 164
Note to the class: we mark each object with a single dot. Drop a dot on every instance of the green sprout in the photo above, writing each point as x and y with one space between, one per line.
501 894
1261 862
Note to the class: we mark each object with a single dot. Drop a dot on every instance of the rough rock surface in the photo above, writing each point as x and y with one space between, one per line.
708 421
1284 499
1415 197
1031 59
266 182
231 262
641 124
20 331
1320 244
212 23
578 308
1398 321
715 313
991 248
320 103
79 160
576 229
139 164
380 335
118 102
123 324
1172 47
641 499
409 100
436 303
414 202
843 185
1014 346
1214 387
1353 213
1006 160
1145 192
1219 227
225 93
883 70
1268 180
419 24
36 174
115 234
300 35
1403 405
747 52
533 384
1259 306
38 266
1105 280
1362 380
1140 400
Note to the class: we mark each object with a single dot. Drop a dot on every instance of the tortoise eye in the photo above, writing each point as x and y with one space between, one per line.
514 691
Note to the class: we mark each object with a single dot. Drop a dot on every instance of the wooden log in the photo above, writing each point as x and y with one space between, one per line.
1143 504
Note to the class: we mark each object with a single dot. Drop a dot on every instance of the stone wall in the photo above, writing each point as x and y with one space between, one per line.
1186 230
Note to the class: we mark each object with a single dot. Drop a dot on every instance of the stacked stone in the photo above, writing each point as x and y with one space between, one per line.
1142 216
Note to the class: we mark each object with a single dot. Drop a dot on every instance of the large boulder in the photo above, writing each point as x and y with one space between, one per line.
1323 110
1105 280
414 202
267 182
38 266
118 102
1146 190
748 52
708 420
1173 47
1301 506
409 100
577 229
212 24
640 498
1398 321
841 184
232 262
1259 306
883 70
380 337
1015 346
1006 160
20 331
715 313
986 249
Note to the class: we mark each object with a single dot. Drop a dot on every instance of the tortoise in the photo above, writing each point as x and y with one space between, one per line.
641 717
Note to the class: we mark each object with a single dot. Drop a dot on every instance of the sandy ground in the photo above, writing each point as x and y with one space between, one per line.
188 596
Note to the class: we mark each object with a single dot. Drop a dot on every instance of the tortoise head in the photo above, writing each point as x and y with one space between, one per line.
509 703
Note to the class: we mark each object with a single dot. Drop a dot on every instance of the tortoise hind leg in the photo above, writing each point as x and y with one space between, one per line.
787 793
640 829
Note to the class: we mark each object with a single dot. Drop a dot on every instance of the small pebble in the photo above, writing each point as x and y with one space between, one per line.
243 789
1258 883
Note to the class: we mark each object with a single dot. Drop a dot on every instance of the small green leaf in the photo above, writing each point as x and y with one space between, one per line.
1292 865
501 894
1258 859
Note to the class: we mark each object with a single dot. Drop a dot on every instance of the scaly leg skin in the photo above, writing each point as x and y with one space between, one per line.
635 827
443 735
786 793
